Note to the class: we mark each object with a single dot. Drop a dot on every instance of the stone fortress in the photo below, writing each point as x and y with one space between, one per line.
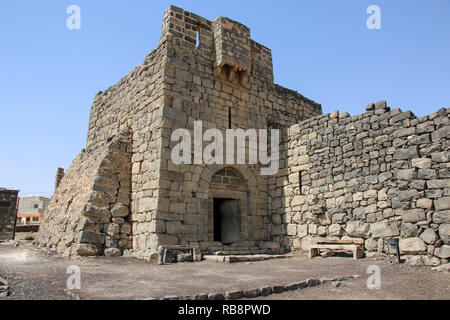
375 176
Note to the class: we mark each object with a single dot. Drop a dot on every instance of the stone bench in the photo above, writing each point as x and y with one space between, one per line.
162 250
355 246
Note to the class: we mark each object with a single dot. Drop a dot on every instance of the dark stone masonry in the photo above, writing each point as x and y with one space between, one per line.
9 202
375 176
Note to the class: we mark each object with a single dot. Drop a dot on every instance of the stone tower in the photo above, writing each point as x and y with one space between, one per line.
123 193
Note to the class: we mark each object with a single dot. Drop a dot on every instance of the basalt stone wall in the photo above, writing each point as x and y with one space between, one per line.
89 214
375 176
201 70
203 81
8 213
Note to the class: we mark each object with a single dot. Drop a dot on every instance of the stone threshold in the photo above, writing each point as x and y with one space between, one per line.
260 292
244 258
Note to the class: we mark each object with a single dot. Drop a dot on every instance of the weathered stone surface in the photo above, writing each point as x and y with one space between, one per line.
406 174
444 233
96 212
442 203
278 289
442 252
120 211
409 230
266 291
406 154
429 236
412 246
414 215
8 212
384 229
442 268
253 293
421 163
441 216
302 284
302 230
431 261
414 260
424 203
91 237
357 229
170 297
112 252
216 296
125 228
234 295
86 250
371 245
312 282
185 257
335 230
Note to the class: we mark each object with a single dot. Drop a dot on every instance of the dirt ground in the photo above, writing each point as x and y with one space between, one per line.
34 275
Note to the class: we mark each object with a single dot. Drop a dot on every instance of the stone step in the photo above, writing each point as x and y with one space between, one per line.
244 258
221 251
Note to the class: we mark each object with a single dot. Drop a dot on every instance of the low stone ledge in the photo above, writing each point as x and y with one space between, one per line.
243 258
262 292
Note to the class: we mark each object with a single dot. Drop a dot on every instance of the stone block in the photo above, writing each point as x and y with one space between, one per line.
412 246
444 233
92 238
442 252
429 236
413 216
442 203
383 229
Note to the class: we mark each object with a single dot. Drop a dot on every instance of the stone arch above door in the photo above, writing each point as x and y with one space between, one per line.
243 172
229 179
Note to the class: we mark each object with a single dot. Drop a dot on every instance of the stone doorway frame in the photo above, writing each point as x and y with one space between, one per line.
242 197
254 191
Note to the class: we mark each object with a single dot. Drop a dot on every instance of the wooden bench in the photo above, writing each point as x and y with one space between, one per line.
355 246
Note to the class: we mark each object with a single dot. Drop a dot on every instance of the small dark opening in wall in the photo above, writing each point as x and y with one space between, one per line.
217 221
300 182
226 69
226 220
229 118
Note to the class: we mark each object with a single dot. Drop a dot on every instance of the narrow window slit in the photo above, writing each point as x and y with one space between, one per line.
197 33
300 182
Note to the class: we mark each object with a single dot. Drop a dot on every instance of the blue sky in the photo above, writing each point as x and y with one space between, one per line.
323 49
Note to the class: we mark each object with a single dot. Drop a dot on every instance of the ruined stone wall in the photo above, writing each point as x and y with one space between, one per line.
8 213
374 176
89 212
134 106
